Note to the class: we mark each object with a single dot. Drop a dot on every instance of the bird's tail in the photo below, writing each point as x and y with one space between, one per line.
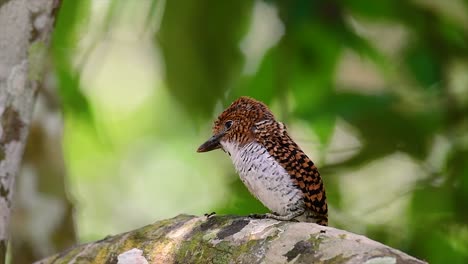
310 218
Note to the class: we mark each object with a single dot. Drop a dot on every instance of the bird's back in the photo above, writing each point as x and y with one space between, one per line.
305 175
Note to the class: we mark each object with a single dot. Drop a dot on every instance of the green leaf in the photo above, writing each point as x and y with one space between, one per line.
73 15
313 66
424 66
266 82
324 126
200 45
434 245
374 9
433 205
457 176
383 128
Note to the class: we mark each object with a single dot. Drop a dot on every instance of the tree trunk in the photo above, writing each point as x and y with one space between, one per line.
232 239
42 216
25 27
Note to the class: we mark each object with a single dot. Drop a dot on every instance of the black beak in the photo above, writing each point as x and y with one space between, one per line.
211 144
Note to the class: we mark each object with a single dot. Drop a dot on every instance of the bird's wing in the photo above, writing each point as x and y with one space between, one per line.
274 137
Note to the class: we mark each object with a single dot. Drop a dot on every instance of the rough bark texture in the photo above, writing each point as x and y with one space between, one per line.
232 239
25 27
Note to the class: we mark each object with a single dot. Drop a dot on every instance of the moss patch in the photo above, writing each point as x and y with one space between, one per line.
337 259
199 248
36 54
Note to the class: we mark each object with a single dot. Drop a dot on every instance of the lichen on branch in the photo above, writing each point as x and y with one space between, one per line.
232 239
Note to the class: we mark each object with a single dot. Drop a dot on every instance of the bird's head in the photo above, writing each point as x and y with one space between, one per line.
236 123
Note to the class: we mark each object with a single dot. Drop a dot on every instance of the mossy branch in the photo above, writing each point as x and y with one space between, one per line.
232 239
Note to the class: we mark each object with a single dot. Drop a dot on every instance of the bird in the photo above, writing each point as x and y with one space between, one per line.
272 166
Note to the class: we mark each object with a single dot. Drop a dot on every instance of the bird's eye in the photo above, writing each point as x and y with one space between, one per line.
228 124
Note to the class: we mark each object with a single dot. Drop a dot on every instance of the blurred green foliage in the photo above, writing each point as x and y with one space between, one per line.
200 45
421 97
64 42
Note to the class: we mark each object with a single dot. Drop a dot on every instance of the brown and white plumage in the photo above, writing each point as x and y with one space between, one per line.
269 162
